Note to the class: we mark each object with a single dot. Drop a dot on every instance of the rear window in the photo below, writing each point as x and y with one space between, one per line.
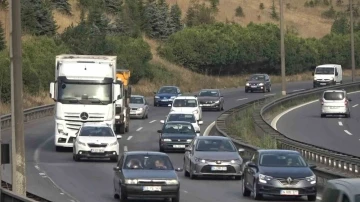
334 96
185 103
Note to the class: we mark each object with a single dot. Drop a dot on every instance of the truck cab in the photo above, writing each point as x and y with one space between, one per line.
327 74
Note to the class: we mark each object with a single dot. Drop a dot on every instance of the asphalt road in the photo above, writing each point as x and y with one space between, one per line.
57 177
334 132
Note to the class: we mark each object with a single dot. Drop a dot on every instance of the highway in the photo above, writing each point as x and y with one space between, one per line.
57 177
334 133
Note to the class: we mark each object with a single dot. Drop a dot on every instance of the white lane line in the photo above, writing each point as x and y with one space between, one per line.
152 121
269 94
125 148
139 129
208 129
340 123
241 99
186 191
298 90
346 131
356 105
318 198
129 138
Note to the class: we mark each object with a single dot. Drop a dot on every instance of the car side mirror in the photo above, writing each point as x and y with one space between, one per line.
188 149
312 166
159 131
118 136
201 122
178 169
117 169
162 121
241 150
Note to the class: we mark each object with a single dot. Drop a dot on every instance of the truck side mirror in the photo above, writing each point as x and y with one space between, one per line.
52 90
117 91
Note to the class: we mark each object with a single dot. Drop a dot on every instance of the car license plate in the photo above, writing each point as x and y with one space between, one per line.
97 150
152 188
216 168
179 146
206 105
164 100
253 86
289 192
323 84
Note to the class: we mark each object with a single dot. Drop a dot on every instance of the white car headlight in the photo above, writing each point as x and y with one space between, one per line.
117 117
140 109
171 182
80 143
188 140
114 143
311 179
217 102
131 181
261 84
238 161
166 140
199 160
157 97
264 178
247 84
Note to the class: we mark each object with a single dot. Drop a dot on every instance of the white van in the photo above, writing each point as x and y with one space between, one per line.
328 74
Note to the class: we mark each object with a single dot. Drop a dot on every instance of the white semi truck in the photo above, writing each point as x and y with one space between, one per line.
86 89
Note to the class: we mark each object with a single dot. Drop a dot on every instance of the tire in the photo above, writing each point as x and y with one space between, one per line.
246 91
323 115
76 158
311 197
269 90
123 196
58 149
192 176
219 108
161 149
186 173
116 196
256 195
114 159
127 128
121 128
245 191
177 198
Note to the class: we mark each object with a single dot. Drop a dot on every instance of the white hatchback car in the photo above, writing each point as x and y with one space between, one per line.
96 140
335 102
187 104
182 116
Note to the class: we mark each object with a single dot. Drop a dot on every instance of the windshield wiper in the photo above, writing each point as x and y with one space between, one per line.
96 100
71 99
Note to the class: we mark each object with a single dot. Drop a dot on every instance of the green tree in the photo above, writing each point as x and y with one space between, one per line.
152 16
37 18
199 14
62 5
113 6
175 16
4 5
2 38
341 25
128 22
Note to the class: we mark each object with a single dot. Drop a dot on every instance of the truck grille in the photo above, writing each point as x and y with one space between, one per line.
92 116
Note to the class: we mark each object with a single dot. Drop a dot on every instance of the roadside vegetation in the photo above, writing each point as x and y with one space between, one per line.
192 44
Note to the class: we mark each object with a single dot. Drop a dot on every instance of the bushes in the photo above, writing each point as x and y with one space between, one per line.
228 48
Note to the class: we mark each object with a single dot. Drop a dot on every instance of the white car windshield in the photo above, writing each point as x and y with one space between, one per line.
182 117
96 132
137 100
185 103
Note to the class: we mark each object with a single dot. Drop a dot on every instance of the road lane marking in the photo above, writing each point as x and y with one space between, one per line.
241 99
270 94
129 138
139 129
340 123
125 148
208 129
152 121
346 131
298 90
356 105
318 198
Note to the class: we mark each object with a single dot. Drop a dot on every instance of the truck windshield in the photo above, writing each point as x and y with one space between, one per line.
85 93
324 70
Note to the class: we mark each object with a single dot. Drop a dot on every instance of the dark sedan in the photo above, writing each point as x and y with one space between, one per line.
176 135
146 175
258 82
211 99
166 95
279 173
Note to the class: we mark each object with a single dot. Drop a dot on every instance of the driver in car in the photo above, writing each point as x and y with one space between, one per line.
160 164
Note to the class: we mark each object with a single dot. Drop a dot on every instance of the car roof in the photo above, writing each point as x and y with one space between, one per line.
326 91
95 124
279 151
328 65
145 153
351 183
137 96
182 122
213 138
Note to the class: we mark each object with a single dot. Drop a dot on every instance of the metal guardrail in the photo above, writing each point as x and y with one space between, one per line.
29 115
330 164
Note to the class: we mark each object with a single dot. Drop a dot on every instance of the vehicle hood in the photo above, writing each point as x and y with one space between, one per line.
134 105
168 95
255 82
323 76
285 172
184 109
178 136
208 98
220 156
149 174
86 139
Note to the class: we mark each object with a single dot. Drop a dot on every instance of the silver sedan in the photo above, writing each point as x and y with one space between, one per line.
139 107
212 156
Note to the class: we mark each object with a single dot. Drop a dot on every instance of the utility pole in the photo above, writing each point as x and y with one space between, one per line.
17 114
352 41
282 45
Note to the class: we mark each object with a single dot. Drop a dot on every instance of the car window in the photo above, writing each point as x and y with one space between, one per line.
97 132
357 198
185 103
182 117
282 160
215 145
148 162
345 198
334 95
178 128
137 100
170 90
324 70
331 195
257 78
209 93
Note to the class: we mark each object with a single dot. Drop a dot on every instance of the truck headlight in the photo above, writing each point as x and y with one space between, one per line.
60 127
169 182
131 181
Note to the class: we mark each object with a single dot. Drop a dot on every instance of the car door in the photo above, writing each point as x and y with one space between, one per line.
118 175
252 171
188 154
